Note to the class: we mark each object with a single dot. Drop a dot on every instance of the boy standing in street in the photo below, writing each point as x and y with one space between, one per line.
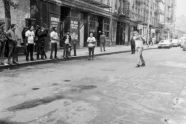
54 39
91 46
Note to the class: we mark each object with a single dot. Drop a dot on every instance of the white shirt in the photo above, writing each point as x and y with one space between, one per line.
138 42
67 41
30 35
91 41
54 37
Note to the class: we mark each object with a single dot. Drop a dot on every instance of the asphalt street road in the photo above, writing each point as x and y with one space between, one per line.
107 90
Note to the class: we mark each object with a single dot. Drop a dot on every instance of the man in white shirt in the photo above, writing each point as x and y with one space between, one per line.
54 39
139 47
30 34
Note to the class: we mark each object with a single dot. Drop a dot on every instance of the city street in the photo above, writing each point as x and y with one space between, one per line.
107 90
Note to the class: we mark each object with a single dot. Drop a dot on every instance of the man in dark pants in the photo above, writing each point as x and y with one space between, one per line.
42 34
30 34
54 39
37 42
133 46
74 38
102 41
25 29
3 41
12 42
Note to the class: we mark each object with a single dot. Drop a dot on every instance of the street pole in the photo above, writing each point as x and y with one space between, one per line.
148 25
111 23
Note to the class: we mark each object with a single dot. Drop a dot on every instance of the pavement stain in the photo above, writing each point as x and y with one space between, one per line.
8 122
36 102
58 96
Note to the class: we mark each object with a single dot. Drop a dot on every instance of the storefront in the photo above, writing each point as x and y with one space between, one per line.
123 31
79 18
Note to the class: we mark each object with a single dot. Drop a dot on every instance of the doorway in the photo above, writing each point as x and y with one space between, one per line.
65 23
99 29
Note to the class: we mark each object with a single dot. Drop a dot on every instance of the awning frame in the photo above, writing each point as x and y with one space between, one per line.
96 3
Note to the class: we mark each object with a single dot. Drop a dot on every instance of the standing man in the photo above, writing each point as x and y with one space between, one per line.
42 34
91 46
102 41
54 39
37 42
139 47
74 38
67 46
12 42
25 29
132 44
3 41
30 43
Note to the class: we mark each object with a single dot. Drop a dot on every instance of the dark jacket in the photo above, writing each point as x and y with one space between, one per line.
102 39
42 35
132 41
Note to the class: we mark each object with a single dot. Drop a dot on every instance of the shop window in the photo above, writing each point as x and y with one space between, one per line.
93 22
106 27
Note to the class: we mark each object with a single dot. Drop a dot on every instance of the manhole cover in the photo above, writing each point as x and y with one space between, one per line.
35 88
67 80
55 84
87 87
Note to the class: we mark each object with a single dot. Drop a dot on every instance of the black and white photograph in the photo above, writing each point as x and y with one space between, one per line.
92 62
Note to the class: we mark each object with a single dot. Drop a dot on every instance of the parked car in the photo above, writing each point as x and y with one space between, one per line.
184 45
175 42
165 44
182 40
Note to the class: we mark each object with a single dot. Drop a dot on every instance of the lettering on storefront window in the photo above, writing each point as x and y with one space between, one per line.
74 29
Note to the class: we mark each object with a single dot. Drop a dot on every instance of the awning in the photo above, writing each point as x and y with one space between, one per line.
96 3
59 2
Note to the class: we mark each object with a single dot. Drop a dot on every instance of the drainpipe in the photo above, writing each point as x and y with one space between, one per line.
148 25
111 23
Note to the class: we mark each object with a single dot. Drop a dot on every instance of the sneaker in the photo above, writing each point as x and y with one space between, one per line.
143 65
137 66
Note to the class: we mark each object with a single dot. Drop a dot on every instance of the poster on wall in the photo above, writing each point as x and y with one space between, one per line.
74 25
54 22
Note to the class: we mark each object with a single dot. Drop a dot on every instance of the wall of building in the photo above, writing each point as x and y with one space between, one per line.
18 15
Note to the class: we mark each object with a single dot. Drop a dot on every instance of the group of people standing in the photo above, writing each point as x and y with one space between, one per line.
35 39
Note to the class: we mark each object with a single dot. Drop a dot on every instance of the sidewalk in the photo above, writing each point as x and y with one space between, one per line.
81 54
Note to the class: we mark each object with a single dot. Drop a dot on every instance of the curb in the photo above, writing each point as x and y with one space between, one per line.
24 64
